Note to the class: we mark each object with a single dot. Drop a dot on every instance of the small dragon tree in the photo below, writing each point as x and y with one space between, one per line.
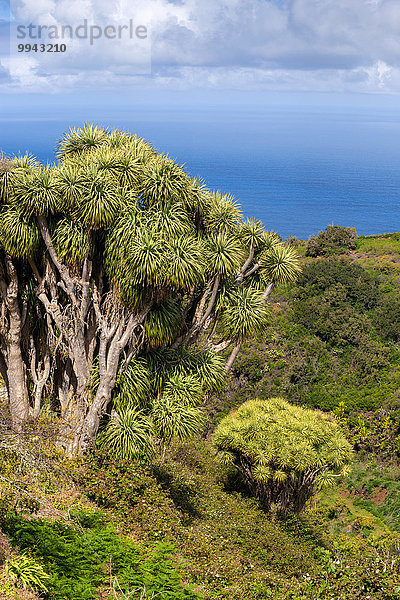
284 453
121 279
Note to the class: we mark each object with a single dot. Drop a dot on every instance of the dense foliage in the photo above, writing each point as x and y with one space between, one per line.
227 547
325 345
333 240
110 260
232 548
85 557
284 453
357 376
387 318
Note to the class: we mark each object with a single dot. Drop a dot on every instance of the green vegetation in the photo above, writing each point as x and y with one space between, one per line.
384 244
334 240
118 274
327 344
387 318
85 556
284 453
375 486
229 547
144 325
26 571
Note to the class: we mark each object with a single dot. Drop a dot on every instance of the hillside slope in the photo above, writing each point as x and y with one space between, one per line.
185 522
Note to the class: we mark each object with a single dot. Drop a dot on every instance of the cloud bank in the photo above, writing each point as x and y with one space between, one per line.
303 45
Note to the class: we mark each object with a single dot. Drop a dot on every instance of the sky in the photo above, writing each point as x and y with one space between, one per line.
220 85
252 46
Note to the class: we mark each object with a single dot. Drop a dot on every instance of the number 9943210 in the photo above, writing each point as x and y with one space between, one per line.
42 48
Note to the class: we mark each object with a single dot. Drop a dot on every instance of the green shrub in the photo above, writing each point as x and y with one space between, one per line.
28 572
376 488
337 325
251 366
233 550
387 317
128 435
385 243
284 453
334 240
81 556
294 241
358 287
374 433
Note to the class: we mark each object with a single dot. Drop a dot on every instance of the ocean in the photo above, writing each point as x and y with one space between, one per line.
296 171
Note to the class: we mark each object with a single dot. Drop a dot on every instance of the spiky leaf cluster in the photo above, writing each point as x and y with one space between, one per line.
27 572
206 367
162 323
280 264
252 234
167 386
223 254
154 248
209 369
223 214
19 234
164 182
36 192
71 185
134 387
121 164
173 419
170 221
244 313
282 450
183 389
12 169
185 265
128 435
79 141
71 241
100 200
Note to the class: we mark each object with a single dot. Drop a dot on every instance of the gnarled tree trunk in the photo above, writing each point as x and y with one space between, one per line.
16 376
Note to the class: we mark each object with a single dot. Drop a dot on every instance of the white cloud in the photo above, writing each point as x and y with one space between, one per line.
328 45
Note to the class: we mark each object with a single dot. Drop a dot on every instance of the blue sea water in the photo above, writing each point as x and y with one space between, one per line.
297 171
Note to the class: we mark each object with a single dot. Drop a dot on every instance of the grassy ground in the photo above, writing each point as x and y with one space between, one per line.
380 245
229 547
225 545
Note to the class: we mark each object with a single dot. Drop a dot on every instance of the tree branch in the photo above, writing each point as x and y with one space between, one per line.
86 274
212 300
202 303
242 271
220 346
3 288
35 270
62 269
233 355
268 291
252 270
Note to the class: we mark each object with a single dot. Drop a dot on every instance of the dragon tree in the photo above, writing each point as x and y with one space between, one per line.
122 280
